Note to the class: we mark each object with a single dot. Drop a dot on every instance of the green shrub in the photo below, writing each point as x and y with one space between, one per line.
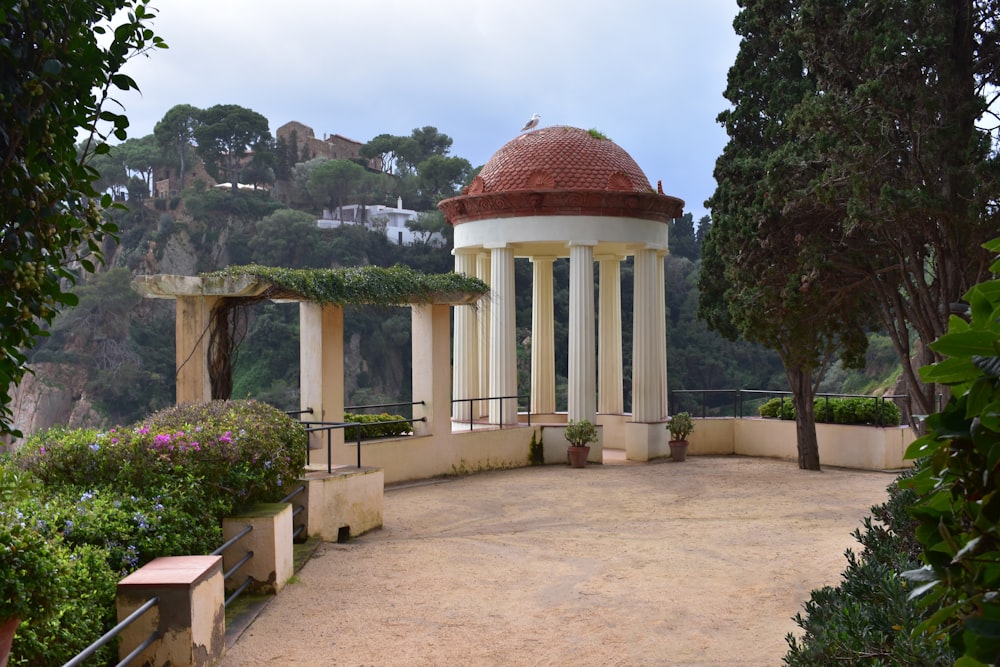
236 452
84 611
957 481
376 426
83 508
838 410
869 618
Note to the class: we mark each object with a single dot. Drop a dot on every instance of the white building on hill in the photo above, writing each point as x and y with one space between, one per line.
378 218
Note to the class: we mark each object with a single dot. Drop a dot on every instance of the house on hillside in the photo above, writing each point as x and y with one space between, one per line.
390 220
309 146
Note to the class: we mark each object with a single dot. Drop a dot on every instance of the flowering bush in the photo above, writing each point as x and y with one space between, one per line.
79 509
244 452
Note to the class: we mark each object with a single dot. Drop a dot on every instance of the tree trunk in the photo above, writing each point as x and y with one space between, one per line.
803 394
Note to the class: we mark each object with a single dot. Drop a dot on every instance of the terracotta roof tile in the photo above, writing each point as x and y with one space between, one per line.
561 158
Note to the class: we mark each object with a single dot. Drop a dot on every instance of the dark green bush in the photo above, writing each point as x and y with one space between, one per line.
838 410
376 426
869 618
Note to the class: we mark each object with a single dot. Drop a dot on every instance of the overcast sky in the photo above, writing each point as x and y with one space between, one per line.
649 74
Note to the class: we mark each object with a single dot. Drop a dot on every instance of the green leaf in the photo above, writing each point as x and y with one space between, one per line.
949 371
966 344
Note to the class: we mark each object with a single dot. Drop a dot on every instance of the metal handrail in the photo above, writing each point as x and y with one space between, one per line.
329 427
115 631
470 401
738 399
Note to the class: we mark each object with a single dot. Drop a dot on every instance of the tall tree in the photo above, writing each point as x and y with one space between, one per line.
141 156
889 139
226 133
331 182
175 134
59 62
768 275
441 177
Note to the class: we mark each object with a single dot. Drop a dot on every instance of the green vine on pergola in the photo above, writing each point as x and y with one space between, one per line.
397 285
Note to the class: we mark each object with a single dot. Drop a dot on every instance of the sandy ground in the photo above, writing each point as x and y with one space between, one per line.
695 563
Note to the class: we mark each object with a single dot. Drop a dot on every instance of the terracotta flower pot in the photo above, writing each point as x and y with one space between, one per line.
578 456
678 450
7 629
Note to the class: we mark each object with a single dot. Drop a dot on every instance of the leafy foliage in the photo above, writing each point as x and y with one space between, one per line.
394 286
105 503
770 274
382 425
958 482
869 618
59 63
680 426
839 410
580 433
224 134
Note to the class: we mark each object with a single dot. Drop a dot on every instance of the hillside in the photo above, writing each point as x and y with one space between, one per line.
110 360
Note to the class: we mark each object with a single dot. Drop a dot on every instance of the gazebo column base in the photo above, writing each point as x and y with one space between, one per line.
645 441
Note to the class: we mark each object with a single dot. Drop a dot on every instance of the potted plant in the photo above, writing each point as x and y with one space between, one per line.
680 427
579 435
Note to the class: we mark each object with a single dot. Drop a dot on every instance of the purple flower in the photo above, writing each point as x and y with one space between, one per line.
143 430
161 440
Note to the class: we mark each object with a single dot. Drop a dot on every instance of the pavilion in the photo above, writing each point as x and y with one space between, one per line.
551 193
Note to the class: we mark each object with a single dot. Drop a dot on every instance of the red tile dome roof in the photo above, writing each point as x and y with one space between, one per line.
560 170
565 158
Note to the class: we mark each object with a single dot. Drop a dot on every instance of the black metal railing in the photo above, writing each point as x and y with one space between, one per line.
228 574
500 399
117 630
329 427
296 511
717 402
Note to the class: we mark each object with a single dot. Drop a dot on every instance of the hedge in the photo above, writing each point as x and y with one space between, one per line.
837 410
381 425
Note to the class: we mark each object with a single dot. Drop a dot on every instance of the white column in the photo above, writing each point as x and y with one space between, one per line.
582 376
483 339
465 357
503 348
543 360
646 399
661 345
609 340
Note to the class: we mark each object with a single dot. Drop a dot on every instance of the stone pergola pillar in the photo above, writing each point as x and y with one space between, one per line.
543 361
321 370
194 316
465 369
610 399
502 346
582 375
484 273
431 346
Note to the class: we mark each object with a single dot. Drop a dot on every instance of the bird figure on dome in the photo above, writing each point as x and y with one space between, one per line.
531 123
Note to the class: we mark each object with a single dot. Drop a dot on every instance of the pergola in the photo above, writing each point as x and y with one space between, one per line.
201 328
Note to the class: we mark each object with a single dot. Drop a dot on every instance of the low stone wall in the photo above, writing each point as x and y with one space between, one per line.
848 446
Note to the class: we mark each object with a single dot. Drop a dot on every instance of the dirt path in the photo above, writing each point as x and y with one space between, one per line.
700 563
